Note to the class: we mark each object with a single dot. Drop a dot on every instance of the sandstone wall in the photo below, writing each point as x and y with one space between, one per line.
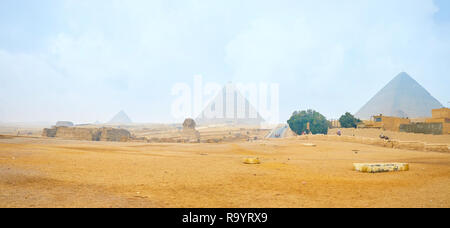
393 123
441 113
424 128
90 134
115 135
49 132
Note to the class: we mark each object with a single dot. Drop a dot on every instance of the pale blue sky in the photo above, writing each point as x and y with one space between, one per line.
85 60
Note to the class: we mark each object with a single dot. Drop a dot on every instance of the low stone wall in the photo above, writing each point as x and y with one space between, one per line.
49 132
424 128
89 134
115 135
407 145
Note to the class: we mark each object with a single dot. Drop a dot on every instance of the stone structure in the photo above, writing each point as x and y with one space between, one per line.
424 128
442 116
389 123
90 134
189 124
402 97
189 134
76 133
438 124
49 132
441 113
113 134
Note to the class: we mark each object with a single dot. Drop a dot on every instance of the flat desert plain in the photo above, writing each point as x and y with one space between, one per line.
40 172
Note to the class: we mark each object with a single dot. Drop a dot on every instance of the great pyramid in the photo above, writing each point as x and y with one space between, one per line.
120 118
401 97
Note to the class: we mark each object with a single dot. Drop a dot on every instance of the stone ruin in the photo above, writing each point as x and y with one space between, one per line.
114 135
49 132
90 134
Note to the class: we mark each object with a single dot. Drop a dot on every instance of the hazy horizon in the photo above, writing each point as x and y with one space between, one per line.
84 61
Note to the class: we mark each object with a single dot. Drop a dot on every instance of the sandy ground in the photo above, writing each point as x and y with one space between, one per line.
38 172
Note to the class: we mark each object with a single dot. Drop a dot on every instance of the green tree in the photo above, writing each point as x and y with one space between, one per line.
349 121
317 122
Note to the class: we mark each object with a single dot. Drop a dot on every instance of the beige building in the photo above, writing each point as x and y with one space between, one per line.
438 124
441 115
389 123
335 124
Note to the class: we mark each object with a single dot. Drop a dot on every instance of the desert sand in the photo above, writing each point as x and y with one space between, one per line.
40 172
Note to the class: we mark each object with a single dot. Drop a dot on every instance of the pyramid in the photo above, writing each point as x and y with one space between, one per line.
120 118
401 97
229 107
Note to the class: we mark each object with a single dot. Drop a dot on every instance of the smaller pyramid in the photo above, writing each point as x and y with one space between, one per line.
120 118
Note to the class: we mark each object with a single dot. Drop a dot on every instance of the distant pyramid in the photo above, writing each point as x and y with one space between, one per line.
120 118
401 97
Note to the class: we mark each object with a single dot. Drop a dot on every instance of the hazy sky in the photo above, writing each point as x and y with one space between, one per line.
85 60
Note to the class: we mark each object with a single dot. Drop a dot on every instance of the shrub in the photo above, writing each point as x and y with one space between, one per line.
317 122
349 121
